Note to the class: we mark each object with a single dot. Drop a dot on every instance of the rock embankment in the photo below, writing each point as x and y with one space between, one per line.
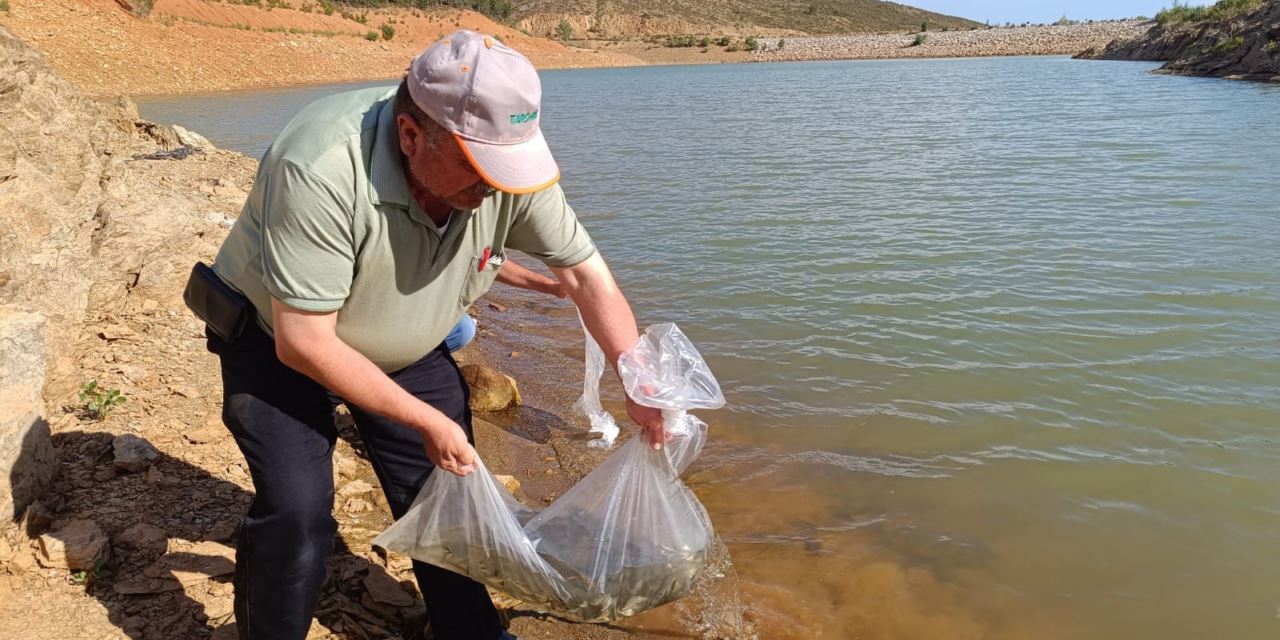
1011 41
1246 46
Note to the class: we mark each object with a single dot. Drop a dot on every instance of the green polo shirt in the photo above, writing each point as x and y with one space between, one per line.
330 226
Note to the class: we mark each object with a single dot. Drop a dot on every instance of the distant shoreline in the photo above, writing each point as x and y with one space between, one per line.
187 48
1010 41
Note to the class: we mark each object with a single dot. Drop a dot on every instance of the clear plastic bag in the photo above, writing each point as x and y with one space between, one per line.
628 537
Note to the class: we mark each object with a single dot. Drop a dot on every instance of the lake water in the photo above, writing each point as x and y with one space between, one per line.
999 335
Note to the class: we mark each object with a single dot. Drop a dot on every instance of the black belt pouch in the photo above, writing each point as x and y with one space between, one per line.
224 309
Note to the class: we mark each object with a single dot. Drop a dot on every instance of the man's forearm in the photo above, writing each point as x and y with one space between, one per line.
320 355
605 310
515 275
607 315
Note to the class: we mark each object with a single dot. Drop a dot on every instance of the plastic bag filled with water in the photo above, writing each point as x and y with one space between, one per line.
628 537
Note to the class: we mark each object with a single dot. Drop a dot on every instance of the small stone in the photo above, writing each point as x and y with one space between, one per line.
497 307
512 485
549 472
132 372
150 306
357 505
37 518
385 589
132 453
112 332
355 488
515 354
78 545
222 531
144 538
206 434
181 390
157 479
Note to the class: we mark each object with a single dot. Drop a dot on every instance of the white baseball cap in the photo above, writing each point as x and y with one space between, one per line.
489 97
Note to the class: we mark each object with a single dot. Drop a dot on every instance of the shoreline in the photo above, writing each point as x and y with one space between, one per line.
188 47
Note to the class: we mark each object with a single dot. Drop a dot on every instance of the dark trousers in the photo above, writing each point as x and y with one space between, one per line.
283 422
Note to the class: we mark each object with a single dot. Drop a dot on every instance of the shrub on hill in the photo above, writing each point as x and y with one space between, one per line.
1221 10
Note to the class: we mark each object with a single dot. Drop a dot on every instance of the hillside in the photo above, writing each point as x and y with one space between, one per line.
1233 39
608 19
185 46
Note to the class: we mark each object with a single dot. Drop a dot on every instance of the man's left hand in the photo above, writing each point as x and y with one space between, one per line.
650 420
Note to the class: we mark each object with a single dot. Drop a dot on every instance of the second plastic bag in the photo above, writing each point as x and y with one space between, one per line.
628 537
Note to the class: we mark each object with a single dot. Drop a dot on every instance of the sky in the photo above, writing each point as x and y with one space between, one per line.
1019 11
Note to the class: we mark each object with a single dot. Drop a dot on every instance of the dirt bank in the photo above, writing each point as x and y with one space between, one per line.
190 45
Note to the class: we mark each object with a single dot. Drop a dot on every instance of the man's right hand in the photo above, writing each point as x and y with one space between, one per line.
448 449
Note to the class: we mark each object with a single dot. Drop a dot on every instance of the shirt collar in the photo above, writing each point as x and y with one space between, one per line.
387 184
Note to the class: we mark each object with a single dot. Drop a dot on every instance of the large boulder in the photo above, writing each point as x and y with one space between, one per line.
26 452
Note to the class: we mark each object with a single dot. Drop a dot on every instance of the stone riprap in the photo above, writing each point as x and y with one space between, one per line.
1004 41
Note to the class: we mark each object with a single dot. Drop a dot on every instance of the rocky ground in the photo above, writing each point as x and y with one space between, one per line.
1245 47
134 536
1010 41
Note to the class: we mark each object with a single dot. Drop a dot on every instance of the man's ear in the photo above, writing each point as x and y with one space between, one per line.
410 134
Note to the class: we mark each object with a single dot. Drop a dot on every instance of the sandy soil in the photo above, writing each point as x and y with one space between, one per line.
192 45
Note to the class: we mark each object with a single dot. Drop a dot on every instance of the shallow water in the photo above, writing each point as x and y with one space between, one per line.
998 335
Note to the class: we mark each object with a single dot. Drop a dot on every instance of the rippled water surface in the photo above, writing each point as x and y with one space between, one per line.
999 335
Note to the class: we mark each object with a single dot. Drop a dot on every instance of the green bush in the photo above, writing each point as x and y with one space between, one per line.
372 36
327 7
564 30
388 31
362 17
4 6
751 43
1221 10
704 42
500 9
1272 46
141 8
924 26
723 41
680 41
97 402
781 43
920 39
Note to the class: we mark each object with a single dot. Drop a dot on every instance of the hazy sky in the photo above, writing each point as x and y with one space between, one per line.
1019 11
